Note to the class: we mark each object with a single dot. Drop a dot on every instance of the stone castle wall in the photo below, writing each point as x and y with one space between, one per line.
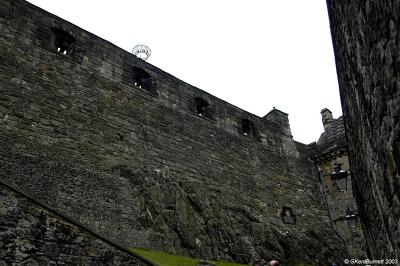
137 163
366 42
31 234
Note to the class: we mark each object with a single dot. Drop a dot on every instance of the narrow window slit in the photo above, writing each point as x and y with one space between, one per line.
201 107
247 128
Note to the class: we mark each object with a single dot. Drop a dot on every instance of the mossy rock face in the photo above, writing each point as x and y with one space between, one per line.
197 224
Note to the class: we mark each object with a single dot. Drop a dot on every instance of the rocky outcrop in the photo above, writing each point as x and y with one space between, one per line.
204 222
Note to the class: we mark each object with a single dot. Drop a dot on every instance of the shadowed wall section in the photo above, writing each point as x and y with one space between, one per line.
32 234
366 42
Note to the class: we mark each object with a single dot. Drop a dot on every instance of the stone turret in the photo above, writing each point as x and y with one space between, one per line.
327 118
281 118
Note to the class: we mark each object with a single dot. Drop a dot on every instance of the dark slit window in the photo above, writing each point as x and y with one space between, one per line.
201 107
63 42
247 127
141 78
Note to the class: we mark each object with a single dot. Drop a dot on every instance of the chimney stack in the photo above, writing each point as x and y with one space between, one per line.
327 118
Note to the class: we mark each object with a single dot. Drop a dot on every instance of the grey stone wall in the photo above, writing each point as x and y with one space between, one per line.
366 42
140 165
339 201
31 234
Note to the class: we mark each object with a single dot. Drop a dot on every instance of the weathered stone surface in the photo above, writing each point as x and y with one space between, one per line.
366 41
141 166
31 234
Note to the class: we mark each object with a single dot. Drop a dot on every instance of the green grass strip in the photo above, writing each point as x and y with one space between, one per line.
165 259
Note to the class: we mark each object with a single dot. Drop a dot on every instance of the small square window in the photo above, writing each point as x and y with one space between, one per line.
63 42
249 129
201 107
288 216
140 78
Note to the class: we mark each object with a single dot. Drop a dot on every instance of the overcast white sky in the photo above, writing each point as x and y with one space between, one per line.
255 54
